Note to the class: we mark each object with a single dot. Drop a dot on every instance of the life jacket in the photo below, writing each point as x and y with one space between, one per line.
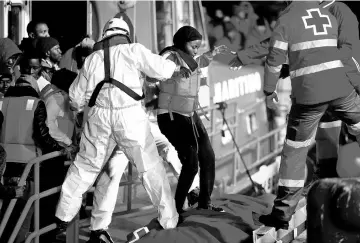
66 122
17 129
180 94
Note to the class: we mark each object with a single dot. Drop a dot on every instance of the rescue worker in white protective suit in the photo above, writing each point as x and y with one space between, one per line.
107 186
117 119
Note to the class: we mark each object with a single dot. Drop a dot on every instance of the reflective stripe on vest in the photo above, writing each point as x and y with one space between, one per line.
17 128
180 94
313 44
316 68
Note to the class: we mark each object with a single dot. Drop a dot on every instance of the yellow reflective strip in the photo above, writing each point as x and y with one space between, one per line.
354 129
329 4
330 124
356 63
281 45
272 69
300 144
313 44
316 68
291 183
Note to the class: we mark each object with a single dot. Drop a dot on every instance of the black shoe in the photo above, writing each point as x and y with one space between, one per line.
213 208
83 213
61 226
193 197
270 221
100 236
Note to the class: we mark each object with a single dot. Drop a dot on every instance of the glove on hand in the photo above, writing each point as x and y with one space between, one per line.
185 72
285 71
10 192
70 152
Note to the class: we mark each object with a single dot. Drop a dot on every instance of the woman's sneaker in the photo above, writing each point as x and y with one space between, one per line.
193 197
100 236
213 208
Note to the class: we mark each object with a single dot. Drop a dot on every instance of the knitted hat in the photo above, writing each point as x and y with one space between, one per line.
63 79
44 44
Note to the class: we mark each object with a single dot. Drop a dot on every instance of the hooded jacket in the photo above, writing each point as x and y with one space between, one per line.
7 49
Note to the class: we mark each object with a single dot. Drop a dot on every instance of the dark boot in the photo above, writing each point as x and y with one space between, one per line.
100 236
271 221
193 197
61 226
213 208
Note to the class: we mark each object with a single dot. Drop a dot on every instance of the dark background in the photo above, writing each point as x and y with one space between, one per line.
264 8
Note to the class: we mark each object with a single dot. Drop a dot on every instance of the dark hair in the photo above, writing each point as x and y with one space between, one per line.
24 62
185 34
63 79
32 26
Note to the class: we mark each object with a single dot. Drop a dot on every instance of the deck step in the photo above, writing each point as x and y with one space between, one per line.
266 234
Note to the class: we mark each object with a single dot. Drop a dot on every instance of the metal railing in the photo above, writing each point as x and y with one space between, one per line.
236 185
33 199
72 234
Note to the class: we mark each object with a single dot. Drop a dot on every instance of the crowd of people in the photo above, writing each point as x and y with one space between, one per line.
242 29
46 96
49 91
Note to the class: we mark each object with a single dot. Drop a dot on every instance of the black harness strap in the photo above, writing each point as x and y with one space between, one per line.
108 79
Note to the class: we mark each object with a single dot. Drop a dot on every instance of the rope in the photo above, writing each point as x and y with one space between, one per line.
134 21
195 133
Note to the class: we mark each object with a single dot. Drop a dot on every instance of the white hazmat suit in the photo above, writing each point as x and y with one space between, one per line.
117 119
107 187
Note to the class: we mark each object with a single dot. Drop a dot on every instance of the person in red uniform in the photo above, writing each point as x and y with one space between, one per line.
306 36
327 137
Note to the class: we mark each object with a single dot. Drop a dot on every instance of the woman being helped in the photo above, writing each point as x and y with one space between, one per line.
179 121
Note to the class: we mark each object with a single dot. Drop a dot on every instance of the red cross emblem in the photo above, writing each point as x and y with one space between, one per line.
317 21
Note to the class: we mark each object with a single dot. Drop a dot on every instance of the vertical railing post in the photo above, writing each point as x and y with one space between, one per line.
130 178
236 156
72 232
37 200
275 138
258 148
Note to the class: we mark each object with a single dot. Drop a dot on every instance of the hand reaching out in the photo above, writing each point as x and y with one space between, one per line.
235 64
271 101
222 49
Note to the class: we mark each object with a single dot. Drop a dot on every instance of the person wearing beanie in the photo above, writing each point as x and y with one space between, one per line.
30 115
49 50
60 125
